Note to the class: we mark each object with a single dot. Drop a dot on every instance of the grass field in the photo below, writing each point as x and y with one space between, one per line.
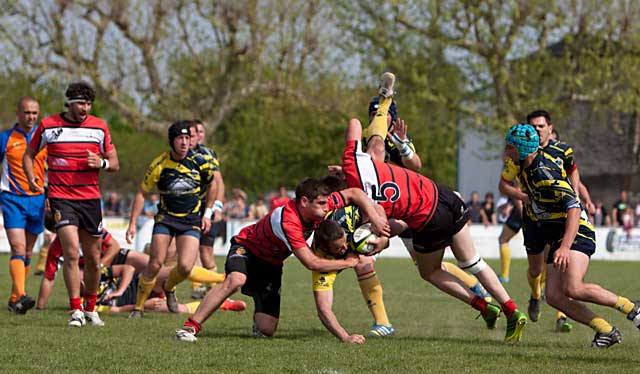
435 333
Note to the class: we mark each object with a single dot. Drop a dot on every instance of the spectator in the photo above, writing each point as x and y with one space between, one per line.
150 207
503 209
488 210
600 217
258 209
238 206
112 207
475 207
619 207
280 200
627 221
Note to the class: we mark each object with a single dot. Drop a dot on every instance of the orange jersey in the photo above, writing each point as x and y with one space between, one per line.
13 144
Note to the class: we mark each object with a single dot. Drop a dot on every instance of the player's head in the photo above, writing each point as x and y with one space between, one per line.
179 137
311 198
541 120
331 238
27 112
79 98
392 117
200 130
523 138
334 183
193 134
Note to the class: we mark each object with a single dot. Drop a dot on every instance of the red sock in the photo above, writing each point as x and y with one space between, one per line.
509 307
75 303
90 302
193 324
480 304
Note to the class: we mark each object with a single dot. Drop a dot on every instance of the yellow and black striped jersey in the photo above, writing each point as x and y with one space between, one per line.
562 154
546 183
178 182
211 157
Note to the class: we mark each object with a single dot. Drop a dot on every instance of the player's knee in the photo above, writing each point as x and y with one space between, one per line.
265 329
574 290
553 296
234 280
475 265
184 269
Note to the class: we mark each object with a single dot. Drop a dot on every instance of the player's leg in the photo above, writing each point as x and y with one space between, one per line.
91 254
430 269
187 247
505 252
371 290
377 129
17 264
535 260
70 243
160 241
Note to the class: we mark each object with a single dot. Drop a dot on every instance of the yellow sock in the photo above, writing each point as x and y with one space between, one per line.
465 277
145 286
372 293
624 305
600 325
534 283
175 278
192 306
202 275
16 268
378 125
543 279
42 258
194 285
505 259
559 315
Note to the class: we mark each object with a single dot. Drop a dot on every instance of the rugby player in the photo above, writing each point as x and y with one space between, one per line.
22 209
255 259
559 221
179 175
78 146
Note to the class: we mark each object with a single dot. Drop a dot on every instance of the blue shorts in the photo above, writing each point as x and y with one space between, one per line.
23 212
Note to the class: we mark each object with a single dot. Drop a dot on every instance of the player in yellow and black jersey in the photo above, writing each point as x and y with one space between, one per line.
560 222
179 175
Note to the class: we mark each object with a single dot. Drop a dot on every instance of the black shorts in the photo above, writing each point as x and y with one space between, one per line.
85 214
121 257
264 280
130 294
451 216
177 226
537 235
514 222
209 237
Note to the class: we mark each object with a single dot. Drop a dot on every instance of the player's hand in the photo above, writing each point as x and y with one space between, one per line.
380 225
206 224
217 216
352 259
591 208
379 244
354 339
113 295
131 233
400 130
94 161
34 185
561 258
336 171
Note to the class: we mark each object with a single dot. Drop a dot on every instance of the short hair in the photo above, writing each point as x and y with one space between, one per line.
80 91
555 132
539 113
25 99
311 188
334 183
327 232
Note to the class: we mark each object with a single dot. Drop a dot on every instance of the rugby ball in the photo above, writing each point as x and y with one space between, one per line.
360 238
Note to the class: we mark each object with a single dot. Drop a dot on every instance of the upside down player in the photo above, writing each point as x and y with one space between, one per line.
561 223
437 217
255 259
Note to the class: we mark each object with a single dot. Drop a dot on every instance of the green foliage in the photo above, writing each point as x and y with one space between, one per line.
435 333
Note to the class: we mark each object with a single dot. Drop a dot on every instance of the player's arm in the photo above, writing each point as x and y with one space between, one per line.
410 158
112 163
46 286
324 304
27 166
377 217
136 209
125 273
314 263
209 211
113 247
219 196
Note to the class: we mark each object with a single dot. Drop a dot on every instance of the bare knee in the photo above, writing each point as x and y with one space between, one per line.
574 290
553 297
234 281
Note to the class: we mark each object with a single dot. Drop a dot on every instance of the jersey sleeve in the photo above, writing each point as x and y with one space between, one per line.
152 176
569 161
36 143
510 170
107 142
335 201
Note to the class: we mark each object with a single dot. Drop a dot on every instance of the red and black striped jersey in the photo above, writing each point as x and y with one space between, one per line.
69 174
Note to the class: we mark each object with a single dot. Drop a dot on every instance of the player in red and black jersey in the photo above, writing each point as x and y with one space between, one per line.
438 219
255 259
78 146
